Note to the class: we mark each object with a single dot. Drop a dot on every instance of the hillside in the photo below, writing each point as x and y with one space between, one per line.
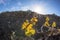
11 26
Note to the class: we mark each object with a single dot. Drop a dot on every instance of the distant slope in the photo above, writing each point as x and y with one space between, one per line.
12 22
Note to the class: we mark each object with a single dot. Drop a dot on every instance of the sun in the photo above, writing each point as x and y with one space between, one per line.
38 9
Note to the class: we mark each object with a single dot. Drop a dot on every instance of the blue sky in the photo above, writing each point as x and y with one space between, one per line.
39 6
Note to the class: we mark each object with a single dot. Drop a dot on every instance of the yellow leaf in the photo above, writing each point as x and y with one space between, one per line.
32 31
24 25
54 24
30 27
47 18
29 33
47 22
34 19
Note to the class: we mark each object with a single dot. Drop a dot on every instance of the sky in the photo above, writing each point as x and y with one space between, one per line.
39 6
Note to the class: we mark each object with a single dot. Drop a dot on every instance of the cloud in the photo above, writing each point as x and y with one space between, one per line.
5 2
2 1
36 7
19 3
15 7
